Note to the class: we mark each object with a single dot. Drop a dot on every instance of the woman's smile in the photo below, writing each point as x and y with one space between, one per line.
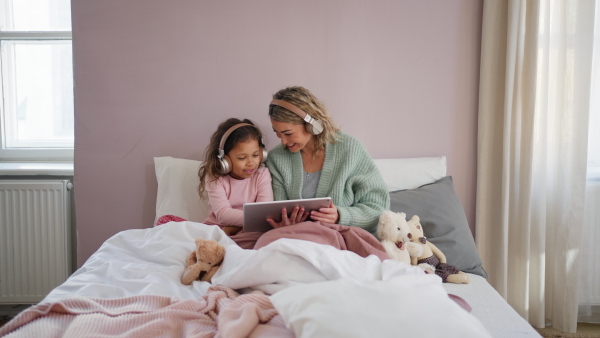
293 136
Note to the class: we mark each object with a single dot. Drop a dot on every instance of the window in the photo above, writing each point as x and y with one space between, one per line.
36 69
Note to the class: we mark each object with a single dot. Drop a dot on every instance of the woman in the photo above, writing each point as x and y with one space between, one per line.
315 159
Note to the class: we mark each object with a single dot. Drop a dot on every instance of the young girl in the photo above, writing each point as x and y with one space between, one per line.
232 173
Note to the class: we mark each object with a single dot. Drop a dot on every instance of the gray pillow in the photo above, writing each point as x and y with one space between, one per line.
444 221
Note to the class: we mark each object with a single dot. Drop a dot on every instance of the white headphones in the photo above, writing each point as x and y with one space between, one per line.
223 160
312 126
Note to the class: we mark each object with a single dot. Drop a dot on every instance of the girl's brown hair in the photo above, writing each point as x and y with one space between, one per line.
305 100
210 169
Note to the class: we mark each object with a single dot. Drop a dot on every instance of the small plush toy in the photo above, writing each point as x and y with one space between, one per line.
433 258
203 262
394 234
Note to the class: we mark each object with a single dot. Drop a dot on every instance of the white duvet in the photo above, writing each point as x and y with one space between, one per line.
317 289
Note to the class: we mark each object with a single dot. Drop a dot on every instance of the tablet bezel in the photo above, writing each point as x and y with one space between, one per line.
256 214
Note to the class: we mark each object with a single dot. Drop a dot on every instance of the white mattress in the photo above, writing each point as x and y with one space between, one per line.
501 320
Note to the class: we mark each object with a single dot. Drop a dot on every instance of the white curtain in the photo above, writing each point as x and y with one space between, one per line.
534 105
589 284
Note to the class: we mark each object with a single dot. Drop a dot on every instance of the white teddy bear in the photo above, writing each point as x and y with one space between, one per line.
394 234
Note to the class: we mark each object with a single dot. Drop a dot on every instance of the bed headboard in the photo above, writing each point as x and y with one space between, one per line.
411 173
178 180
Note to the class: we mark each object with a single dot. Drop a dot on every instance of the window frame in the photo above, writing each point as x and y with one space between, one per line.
38 153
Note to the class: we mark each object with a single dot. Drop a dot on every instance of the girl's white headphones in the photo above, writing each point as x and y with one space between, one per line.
312 126
223 160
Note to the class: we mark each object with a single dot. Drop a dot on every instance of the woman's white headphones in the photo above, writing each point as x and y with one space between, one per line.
312 126
223 160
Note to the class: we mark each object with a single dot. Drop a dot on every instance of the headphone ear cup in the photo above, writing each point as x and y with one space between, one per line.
265 153
225 164
315 127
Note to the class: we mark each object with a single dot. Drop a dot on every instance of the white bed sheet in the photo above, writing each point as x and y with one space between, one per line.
151 262
492 310
141 262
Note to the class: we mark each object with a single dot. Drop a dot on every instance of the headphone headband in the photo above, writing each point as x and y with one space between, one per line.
291 108
315 126
227 133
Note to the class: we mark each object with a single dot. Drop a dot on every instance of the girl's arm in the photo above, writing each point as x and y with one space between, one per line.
220 205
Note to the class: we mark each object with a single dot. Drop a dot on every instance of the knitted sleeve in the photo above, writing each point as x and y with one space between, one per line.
370 199
276 164
366 194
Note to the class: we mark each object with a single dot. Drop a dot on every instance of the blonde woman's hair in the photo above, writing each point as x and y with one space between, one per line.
210 169
305 100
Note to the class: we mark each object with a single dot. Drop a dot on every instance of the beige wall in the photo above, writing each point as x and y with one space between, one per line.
154 78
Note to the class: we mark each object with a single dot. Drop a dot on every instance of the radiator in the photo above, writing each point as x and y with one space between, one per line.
35 241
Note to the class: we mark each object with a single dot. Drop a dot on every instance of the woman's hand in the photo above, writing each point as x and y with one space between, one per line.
298 215
326 215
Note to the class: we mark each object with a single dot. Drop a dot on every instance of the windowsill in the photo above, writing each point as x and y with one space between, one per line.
36 168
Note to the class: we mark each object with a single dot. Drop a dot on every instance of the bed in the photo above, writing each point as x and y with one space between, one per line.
289 288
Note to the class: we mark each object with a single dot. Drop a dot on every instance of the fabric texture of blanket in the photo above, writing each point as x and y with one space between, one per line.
341 237
221 312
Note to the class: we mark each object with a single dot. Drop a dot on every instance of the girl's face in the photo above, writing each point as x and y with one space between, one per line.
293 136
245 158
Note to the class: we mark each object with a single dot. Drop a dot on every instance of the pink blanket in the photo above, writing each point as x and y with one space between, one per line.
342 237
221 312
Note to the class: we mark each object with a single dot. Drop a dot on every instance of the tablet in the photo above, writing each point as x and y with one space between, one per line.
256 214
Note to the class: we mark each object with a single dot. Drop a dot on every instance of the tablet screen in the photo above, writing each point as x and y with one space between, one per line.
256 214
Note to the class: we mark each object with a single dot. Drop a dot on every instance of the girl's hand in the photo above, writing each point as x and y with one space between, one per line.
326 215
298 215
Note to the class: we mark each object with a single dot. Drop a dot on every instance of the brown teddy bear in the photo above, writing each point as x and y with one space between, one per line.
203 262
432 257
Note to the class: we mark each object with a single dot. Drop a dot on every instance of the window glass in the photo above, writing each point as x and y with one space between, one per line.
38 93
36 87
35 15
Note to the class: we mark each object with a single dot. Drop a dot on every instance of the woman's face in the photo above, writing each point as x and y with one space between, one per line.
293 136
245 158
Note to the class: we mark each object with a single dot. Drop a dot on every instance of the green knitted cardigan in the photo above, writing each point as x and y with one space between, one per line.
349 177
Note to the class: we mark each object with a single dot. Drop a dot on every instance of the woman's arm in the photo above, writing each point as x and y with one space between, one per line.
354 183
280 190
370 199
277 181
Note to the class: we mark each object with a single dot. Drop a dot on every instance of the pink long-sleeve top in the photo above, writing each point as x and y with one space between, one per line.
226 197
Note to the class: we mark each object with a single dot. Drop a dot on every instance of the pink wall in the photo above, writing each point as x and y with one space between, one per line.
154 77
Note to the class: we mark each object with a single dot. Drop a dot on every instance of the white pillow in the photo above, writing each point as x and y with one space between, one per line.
404 306
178 189
411 173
